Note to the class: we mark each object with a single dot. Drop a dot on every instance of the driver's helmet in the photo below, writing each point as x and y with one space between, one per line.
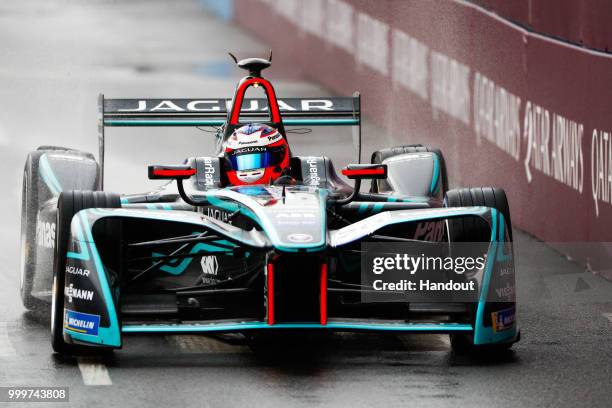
256 154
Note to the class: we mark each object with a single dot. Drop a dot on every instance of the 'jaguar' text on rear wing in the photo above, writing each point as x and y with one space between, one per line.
322 111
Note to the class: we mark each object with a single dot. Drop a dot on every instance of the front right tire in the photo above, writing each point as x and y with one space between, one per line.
472 229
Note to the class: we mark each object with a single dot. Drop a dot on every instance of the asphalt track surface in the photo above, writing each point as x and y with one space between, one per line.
57 56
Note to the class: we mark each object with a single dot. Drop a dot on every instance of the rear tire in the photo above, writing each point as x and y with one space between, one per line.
469 229
69 203
28 237
30 205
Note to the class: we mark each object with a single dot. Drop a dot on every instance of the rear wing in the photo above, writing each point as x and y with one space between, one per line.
323 111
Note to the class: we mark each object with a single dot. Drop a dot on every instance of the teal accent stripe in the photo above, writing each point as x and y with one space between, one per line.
363 207
124 200
83 254
377 207
482 334
225 242
406 217
494 221
501 255
321 122
171 269
109 336
220 122
46 172
140 122
436 174
159 206
185 262
186 328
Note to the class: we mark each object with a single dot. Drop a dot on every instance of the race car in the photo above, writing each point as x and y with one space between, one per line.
254 240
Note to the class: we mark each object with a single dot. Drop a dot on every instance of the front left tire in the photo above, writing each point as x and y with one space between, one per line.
69 203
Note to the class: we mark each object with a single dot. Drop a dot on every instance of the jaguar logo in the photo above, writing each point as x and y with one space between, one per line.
299 237
210 265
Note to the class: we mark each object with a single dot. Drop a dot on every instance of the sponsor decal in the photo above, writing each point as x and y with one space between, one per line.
209 172
249 150
286 215
507 292
506 270
45 234
299 237
430 231
74 270
210 265
503 319
313 173
554 146
217 214
496 116
255 141
223 105
601 168
274 136
83 323
248 142
71 292
296 218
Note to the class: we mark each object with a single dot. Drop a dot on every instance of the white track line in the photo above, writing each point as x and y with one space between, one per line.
6 348
93 372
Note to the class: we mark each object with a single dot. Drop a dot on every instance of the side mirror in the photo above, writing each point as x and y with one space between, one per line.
365 171
178 173
181 172
360 172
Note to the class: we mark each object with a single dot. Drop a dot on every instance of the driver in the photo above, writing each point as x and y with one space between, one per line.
256 154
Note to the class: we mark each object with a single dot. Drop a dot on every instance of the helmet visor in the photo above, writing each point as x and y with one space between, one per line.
259 160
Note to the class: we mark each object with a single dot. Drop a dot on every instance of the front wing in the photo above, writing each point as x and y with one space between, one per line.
102 303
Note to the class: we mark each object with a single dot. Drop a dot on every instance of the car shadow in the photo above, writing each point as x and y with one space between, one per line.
300 353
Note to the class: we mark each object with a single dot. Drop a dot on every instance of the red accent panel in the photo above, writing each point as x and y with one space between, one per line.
233 179
269 174
323 294
270 278
173 173
362 172
237 105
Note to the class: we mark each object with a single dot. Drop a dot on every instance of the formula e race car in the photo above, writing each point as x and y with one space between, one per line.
209 252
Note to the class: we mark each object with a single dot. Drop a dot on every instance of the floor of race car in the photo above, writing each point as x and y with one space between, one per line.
49 81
